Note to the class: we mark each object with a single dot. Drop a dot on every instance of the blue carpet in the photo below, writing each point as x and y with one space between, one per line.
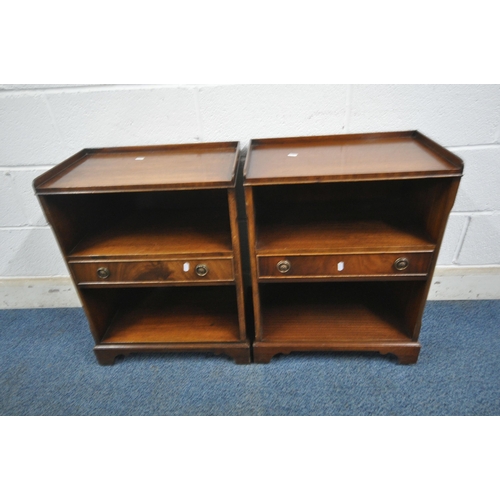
47 367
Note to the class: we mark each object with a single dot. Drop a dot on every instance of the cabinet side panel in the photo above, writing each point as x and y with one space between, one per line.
443 199
72 216
100 307
430 202
252 241
67 230
238 275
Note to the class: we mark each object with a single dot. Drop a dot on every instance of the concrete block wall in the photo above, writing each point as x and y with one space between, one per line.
41 125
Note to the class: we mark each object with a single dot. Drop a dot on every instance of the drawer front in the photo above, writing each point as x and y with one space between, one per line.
328 266
167 271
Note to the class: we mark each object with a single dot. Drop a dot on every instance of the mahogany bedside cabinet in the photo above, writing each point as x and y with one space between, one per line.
150 237
344 235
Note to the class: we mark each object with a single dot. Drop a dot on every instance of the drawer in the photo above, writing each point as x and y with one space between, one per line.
352 265
159 271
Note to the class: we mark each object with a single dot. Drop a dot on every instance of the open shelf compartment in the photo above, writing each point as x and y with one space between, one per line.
389 215
112 225
337 313
166 315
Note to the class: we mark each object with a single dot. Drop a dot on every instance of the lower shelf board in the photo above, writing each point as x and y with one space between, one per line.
329 313
176 315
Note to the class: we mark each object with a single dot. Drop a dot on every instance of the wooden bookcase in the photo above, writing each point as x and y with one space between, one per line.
344 234
150 237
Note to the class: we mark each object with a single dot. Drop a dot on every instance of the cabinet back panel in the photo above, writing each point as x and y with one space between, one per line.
397 198
337 216
124 223
315 312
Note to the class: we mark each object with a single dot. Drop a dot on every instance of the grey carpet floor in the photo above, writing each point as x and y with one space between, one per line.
47 367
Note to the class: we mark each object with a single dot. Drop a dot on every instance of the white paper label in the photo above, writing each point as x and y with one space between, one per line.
185 267
340 266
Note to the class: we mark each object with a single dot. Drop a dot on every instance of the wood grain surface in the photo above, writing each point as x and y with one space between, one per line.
177 315
330 236
329 312
357 201
148 167
149 272
327 158
352 265
156 233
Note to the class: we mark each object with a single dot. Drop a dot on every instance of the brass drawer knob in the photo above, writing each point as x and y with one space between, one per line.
401 264
201 270
284 266
103 273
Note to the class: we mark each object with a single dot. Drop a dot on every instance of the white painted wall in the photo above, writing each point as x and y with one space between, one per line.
41 125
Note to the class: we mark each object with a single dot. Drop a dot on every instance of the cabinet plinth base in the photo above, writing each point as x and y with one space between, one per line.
407 353
106 353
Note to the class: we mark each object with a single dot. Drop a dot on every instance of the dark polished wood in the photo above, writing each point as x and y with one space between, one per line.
436 223
331 312
153 272
164 315
254 274
156 230
406 353
344 235
143 168
347 157
237 264
150 237
346 266
338 236
106 353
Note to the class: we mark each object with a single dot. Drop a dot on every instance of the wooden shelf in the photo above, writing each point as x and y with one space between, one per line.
346 157
294 236
157 233
183 166
194 315
328 313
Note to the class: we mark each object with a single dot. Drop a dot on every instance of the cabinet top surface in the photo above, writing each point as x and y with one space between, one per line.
348 157
144 168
